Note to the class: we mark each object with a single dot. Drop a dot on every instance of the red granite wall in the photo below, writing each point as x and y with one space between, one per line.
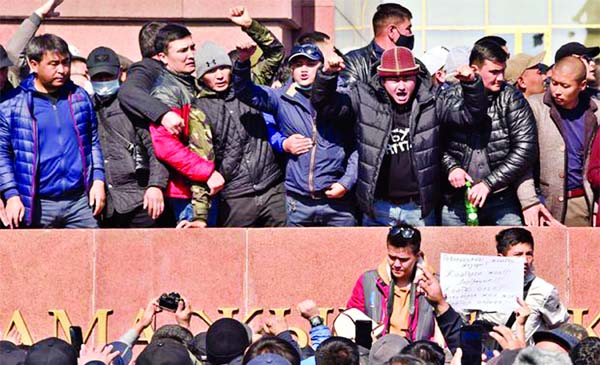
237 271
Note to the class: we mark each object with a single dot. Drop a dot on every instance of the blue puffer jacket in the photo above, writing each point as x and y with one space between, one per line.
19 158
332 159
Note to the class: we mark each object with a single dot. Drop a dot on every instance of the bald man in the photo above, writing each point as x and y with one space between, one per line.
567 119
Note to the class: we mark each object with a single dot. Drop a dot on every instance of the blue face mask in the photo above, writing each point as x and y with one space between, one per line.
106 88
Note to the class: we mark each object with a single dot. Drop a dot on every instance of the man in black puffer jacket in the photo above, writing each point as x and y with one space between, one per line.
398 138
490 140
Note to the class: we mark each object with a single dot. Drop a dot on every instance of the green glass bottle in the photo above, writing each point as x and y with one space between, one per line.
471 210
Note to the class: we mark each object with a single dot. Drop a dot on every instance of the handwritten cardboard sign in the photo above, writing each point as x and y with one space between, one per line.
487 283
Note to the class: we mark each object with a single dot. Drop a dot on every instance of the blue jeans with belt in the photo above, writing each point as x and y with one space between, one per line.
386 213
305 211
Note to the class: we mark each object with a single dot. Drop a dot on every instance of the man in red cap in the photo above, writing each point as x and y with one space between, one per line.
397 138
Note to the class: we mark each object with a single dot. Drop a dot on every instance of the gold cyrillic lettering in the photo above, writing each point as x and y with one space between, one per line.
577 314
61 320
301 335
228 312
253 313
280 312
17 321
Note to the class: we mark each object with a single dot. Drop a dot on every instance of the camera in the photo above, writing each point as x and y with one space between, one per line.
169 301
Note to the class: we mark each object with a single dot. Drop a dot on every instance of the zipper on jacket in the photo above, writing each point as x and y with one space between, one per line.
313 155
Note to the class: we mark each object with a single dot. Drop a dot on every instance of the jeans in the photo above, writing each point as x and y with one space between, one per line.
182 209
304 211
389 214
67 212
500 209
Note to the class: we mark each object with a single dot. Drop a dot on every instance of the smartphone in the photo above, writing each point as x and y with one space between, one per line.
76 338
471 344
488 343
362 335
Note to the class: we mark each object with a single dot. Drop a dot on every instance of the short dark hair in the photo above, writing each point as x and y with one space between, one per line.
386 12
405 235
487 50
406 360
430 352
147 38
38 46
587 352
575 330
169 33
312 37
492 38
175 332
337 351
272 345
507 238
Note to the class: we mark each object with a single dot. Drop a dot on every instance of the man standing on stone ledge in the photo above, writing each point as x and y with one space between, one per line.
567 119
490 140
51 163
398 138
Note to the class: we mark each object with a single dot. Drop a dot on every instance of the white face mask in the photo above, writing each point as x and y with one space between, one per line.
106 88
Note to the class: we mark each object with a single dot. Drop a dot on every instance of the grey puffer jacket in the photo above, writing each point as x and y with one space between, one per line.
503 121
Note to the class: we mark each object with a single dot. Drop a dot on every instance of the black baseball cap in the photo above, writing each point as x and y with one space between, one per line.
51 351
165 351
575 48
557 336
4 60
10 354
103 60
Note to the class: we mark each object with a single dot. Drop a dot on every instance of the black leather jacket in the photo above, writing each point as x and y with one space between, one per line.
503 121
361 65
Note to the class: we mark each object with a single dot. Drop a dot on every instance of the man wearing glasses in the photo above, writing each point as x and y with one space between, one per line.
390 297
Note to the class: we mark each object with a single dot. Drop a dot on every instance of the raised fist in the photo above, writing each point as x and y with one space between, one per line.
334 64
245 51
465 73
239 15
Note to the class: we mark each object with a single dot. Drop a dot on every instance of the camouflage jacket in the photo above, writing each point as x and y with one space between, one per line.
190 154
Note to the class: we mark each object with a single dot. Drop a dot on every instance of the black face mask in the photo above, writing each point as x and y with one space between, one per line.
407 41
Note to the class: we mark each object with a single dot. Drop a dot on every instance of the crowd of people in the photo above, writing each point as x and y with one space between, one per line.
202 137
195 137
409 322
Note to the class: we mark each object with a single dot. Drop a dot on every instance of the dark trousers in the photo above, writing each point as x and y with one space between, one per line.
138 218
264 209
